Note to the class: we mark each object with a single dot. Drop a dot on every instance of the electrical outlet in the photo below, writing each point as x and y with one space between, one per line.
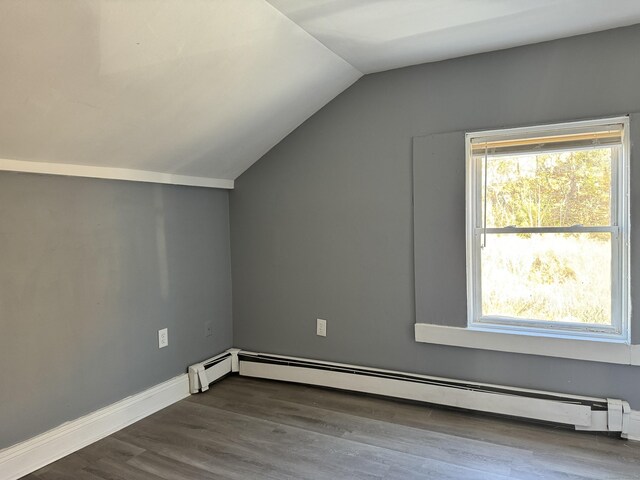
321 327
208 329
163 338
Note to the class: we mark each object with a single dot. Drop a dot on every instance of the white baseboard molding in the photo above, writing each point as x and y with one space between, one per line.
633 430
112 173
35 453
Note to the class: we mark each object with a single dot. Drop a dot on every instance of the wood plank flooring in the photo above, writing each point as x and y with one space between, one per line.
245 428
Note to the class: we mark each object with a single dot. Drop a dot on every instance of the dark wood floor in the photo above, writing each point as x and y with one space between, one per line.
256 429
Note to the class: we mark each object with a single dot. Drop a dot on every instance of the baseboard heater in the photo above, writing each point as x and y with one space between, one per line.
584 413
203 374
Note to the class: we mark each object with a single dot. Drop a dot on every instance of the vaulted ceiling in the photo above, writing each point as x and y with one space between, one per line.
203 88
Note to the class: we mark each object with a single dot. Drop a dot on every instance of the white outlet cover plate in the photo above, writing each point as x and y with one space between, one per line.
321 327
163 338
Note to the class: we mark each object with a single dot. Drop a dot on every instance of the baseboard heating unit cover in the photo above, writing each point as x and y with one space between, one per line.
203 374
584 413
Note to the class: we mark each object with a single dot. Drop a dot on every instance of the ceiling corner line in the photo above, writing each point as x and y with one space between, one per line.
316 39
112 173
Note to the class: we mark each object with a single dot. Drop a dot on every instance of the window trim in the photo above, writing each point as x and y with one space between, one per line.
620 227
586 349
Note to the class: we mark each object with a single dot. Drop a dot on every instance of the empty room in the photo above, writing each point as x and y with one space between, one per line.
319 239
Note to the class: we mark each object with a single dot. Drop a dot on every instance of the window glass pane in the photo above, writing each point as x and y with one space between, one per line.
564 277
549 189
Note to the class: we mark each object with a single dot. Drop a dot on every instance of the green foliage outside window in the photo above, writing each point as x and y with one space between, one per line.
549 276
548 190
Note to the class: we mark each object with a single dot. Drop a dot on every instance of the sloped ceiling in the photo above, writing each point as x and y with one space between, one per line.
376 35
203 88
198 87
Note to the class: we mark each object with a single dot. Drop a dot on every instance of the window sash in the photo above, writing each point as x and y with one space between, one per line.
571 229
543 327
478 167
618 330
615 329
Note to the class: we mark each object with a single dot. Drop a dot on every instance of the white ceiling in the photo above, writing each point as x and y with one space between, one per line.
204 88
376 35
198 87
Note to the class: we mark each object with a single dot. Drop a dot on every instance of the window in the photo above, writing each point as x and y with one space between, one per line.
548 230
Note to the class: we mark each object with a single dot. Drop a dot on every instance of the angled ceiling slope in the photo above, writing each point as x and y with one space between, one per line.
166 88
195 92
377 35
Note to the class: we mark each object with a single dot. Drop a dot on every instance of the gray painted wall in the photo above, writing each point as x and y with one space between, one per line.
91 269
438 183
322 225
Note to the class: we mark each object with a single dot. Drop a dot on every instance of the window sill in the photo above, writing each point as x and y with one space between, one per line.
605 351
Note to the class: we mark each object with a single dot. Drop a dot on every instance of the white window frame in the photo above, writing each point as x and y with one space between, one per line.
619 331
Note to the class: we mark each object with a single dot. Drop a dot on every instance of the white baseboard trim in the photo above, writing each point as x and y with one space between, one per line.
112 173
30 455
35 453
633 429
